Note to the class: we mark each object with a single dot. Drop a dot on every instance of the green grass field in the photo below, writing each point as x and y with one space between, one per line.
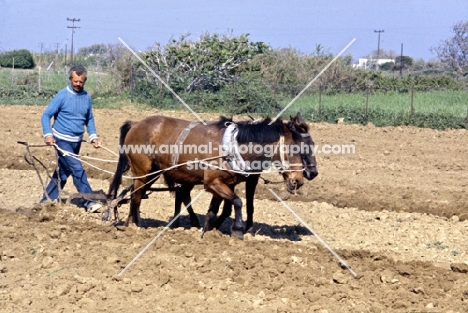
42 85
448 102
22 87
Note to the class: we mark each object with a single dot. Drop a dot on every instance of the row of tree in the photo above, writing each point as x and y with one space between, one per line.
212 61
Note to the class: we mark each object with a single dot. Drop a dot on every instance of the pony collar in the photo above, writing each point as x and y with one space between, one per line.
231 149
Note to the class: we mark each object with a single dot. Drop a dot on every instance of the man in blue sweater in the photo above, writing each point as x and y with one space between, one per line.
71 110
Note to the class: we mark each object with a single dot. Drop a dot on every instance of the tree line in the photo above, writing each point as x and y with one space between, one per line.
219 64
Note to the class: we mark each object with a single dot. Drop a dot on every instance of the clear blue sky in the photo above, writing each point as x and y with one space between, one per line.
418 24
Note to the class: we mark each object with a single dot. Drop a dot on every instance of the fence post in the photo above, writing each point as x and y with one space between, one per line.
39 80
466 119
161 98
367 103
412 100
131 83
198 95
320 102
99 82
12 73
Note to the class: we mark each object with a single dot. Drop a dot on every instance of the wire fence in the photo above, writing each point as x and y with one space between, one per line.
360 103
38 86
264 97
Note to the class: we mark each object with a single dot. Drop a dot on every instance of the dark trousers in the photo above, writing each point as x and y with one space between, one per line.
68 166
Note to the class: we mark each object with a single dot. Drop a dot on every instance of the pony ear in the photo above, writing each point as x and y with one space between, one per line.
298 119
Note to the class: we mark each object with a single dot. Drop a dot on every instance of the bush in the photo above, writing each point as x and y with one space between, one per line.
25 93
247 94
17 59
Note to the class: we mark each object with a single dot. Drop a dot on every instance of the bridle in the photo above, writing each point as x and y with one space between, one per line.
304 136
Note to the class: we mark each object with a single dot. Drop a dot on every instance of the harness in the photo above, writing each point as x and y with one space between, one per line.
234 158
180 140
230 148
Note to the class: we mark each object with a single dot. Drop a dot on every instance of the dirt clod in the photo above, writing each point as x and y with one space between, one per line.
385 209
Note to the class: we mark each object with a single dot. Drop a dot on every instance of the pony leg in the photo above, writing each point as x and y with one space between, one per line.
227 210
180 194
226 192
237 229
211 215
183 196
250 186
138 191
194 222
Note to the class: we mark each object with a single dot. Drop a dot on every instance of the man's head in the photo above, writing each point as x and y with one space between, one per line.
78 76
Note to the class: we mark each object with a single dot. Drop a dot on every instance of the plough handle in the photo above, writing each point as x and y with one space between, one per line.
33 146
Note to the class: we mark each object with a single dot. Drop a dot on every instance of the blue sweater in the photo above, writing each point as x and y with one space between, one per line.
71 111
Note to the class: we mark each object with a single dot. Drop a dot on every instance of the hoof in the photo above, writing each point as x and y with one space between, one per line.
121 227
204 230
251 231
176 224
209 221
195 224
238 233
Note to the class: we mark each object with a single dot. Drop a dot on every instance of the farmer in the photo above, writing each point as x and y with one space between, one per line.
71 110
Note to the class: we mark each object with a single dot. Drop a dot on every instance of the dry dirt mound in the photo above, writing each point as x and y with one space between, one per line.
58 259
395 211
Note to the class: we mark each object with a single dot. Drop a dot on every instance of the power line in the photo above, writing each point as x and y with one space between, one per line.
73 20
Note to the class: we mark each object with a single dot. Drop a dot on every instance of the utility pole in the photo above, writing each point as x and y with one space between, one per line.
378 43
73 20
401 61
56 48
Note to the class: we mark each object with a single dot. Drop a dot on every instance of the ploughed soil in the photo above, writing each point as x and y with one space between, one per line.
393 213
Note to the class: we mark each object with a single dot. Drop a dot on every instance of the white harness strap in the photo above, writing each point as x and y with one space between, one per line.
231 149
280 146
180 140
281 152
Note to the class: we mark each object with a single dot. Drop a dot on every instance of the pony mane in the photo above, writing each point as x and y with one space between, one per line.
258 131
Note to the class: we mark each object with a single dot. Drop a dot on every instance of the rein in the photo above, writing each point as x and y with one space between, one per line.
158 173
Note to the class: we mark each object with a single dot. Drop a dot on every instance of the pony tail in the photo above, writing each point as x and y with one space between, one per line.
122 164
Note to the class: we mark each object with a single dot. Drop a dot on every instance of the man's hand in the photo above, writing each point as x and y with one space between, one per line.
96 143
49 140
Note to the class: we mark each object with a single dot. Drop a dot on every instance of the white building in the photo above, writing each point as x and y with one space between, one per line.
370 63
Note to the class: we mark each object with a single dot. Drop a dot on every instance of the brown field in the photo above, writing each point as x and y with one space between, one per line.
395 211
